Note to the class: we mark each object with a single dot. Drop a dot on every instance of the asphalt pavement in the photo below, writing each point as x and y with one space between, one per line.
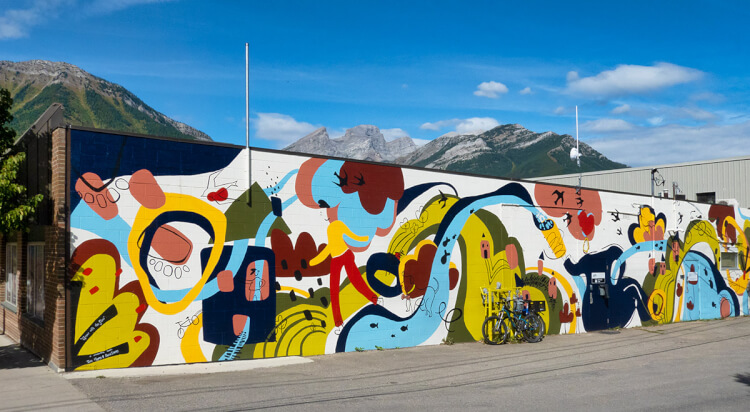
692 365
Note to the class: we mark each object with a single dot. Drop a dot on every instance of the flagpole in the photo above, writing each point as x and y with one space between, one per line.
247 124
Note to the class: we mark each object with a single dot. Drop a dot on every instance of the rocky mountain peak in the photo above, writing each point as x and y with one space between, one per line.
363 142
88 100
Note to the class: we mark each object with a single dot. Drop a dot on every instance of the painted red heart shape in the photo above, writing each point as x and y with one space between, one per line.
222 194
219 195
586 221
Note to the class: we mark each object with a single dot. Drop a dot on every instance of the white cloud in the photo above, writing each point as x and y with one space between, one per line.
632 79
439 125
698 114
709 97
18 23
476 125
525 90
656 120
607 125
623 108
393 134
675 144
559 110
420 142
108 6
571 76
463 126
493 90
281 128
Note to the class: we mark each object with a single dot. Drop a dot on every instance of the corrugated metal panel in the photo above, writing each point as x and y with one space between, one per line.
725 177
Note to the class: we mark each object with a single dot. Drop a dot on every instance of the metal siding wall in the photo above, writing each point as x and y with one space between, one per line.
724 177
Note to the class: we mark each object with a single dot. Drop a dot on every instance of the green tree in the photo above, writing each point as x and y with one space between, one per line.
15 205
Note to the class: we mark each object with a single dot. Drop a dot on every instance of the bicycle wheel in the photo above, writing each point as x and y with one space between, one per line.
534 330
494 330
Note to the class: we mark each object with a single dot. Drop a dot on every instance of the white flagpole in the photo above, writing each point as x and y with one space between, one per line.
578 157
247 124
247 95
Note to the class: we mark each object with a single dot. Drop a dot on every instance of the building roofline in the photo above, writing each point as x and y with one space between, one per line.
417 168
648 168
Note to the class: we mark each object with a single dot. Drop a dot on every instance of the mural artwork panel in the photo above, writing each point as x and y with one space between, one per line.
177 257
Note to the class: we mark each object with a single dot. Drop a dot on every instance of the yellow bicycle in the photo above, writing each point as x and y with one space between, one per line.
508 315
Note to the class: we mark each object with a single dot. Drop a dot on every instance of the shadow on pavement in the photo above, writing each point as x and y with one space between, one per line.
15 357
743 378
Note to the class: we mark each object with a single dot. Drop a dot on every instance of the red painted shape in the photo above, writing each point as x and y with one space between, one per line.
586 221
238 323
219 195
141 308
146 190
511 255
87 271
484 247
690 305
552 288
118 272
565 315
171 245
94 290
137 339
222 194
679 290
225 280
95 193
726 310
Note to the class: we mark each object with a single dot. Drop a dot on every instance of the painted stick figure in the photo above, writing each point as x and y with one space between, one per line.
342 257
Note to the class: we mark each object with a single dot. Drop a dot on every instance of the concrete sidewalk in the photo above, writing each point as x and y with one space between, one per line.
28 384
690 365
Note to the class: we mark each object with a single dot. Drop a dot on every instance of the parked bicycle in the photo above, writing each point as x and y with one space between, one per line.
508 315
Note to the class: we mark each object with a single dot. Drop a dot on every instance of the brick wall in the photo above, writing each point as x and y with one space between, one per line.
45 337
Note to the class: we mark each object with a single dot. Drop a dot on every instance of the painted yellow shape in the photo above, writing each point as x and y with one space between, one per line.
176 202
337 245
190 344
115 331
296 335
701 232
555 241
740 284
644 217
432 214
482 273
659 298
297 291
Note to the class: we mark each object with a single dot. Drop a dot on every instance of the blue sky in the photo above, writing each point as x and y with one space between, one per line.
655 81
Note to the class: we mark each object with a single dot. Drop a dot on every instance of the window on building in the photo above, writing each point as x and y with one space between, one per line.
11 274
706 197
35 281
729 260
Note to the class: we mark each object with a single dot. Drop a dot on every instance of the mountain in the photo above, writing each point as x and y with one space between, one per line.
88 100
508 151
364 142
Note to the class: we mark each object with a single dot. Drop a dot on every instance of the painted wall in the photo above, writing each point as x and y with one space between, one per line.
174 260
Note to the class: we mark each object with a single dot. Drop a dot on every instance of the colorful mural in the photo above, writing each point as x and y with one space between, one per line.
177 258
